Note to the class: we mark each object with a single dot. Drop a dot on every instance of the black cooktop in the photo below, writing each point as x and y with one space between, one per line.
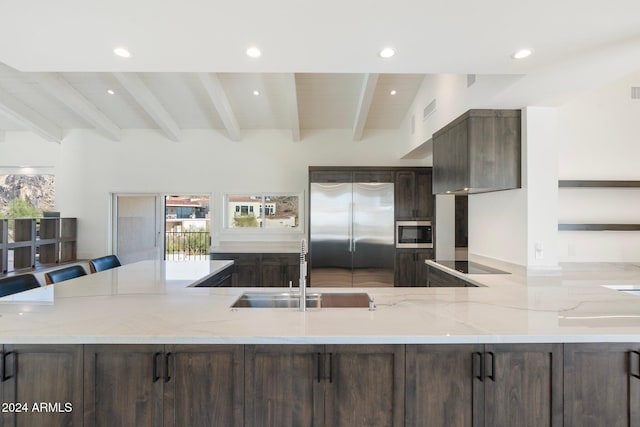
470 267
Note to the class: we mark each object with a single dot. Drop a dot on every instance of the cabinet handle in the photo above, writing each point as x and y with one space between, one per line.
5 356
156 377
477 356
167 376
631 364
492 377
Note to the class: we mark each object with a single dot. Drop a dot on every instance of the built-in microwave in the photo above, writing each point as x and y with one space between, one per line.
414 234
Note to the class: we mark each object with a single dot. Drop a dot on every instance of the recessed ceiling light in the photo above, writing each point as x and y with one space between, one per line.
522 53
393 92
253 52
256 93
110 92
387 52
122 52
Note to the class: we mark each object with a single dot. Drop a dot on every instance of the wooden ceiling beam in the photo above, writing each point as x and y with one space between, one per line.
21 113
149 103
366 97
220 101
57 86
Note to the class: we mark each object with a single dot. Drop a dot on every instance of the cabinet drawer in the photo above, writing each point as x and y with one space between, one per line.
373 176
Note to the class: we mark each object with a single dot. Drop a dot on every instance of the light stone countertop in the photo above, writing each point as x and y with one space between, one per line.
152 302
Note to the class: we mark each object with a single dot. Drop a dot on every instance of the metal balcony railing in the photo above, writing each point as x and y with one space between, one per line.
187 245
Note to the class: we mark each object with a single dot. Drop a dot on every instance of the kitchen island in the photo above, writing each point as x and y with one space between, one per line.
140 345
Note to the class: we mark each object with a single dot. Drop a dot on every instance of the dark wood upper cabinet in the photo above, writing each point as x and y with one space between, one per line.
478 152
413 195
602 385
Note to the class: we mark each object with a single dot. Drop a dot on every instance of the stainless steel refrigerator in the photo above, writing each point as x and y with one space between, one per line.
351 234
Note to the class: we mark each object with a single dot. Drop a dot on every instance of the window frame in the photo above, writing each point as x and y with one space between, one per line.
299 229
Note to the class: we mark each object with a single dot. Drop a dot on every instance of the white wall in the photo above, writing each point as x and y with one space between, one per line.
599 139
89 168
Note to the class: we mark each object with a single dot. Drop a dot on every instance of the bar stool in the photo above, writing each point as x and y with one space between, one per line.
104 263
63 274
14 284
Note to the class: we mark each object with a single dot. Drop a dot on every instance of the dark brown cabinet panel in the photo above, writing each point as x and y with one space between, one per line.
317 385
42 374
444 388
602 385
330 176
413 194
411 269
283 386
478 152
365 385
123 385
203 385
439 278
280 269
246 268
523 385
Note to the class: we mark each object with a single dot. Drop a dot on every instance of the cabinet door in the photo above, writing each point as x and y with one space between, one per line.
406 267
460 151
444 386
422 271
271 270
247 270
601 385
423 194
123 385
439 278
373 176
331 176
405 188
291 269
283 387
203 385
523 385
364 385
49 375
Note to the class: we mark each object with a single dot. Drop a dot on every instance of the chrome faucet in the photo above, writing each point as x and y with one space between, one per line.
303 275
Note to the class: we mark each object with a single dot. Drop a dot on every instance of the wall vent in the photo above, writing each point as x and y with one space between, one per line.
429 110
635 92
471 79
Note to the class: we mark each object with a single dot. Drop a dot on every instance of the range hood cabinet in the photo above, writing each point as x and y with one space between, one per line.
478 152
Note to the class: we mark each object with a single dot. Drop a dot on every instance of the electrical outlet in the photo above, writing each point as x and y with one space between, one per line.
539 250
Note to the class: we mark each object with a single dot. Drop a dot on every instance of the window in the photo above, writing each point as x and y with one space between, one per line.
26 195
275 211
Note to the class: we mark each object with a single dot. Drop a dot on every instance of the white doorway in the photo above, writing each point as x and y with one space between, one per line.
137 227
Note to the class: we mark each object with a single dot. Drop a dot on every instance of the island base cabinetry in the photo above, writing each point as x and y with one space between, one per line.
602 385
41 385
484 385
324 385
156 385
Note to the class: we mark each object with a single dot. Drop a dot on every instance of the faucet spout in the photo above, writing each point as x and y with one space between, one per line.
303 275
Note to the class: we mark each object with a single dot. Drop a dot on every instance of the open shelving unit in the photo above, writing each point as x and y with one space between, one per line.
598 184
28 242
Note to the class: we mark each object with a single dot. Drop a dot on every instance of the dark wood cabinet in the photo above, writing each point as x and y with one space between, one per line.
284 385
442 386
155 385
365 385
46 382
523 385
280 269
267 269
411 269
351 174
602 385
478 152
222 279
485 385
324 385
123 385
413 194
440 278
203 385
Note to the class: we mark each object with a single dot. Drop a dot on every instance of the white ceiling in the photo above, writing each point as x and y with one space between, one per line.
319 67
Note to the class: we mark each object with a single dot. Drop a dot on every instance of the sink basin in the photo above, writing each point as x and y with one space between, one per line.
314 300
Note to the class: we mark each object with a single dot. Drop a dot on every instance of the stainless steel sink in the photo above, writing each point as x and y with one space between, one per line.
314 300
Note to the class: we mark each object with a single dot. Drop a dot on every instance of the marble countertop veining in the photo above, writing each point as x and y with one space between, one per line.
152 302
